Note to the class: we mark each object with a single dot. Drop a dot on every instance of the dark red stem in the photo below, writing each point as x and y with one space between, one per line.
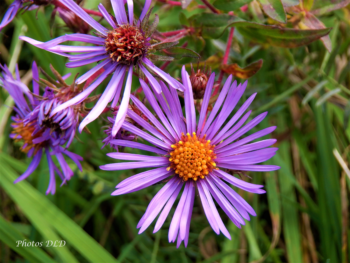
224 60
209 5
93 12
172 33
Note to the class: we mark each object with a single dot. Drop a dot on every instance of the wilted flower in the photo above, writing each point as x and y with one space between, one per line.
128 44
194 155
72 21
38 129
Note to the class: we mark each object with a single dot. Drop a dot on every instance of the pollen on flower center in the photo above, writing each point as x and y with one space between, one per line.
126 44
192 157
24 133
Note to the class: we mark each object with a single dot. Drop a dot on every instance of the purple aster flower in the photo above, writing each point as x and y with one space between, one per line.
194 155
127 44
38 129
16 5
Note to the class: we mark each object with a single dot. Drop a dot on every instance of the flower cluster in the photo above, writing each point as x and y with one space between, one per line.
200 148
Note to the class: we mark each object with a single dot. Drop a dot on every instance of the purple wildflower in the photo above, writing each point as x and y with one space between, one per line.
194 155
38 129
126 45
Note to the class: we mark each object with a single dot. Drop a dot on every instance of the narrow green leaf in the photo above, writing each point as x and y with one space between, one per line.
9 235
213 26
33 203
274 9
229 5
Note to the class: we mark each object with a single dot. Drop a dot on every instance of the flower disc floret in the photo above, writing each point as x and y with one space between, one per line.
125 44
192 157
25 133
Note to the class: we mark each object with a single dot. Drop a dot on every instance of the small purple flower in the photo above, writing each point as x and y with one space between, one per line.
119 49
194 155
38 129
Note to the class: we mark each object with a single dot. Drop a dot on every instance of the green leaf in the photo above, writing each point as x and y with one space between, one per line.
229 5
346 115
10 235
45 216
213 26
321 7
274 9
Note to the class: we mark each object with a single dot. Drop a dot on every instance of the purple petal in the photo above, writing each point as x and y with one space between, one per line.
230 103
148 127
157 109
217 105
83 62
227 150
164 214
106 15
140 176
236 200
189 102
133 165
131 128
186 214
154 202
248 158
52 185
10 13
249 147
205 102
73 37
170 80
224 204
85 93
160 204
141 184
119 11
144 10
84 16
250 125
35 79
237 182
151 117
207 210
92 71
135 157
154 83
124 105
137 146
31 168
175 222
104 99
221 135
213 209
131 11
252 168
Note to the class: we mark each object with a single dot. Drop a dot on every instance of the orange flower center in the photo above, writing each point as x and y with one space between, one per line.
125 44
24 133
192 157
